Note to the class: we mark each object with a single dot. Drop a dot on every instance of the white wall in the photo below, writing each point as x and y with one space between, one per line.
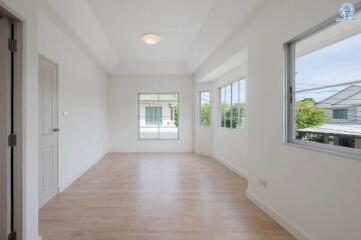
228 146
314 194
82 93
123 107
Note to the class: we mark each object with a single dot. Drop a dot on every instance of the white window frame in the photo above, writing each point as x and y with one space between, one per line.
289 94
219 115
200 108
158 139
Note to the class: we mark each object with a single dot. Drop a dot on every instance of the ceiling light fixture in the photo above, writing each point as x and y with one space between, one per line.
151 38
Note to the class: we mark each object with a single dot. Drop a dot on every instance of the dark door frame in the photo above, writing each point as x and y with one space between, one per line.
15 138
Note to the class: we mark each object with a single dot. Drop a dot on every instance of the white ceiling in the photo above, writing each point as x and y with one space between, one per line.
190 31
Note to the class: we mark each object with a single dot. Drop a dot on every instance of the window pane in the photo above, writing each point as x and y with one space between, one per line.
328 87
205 108
228 112
158 116
148 127
242 103
169 117
223 106
235 104
232 105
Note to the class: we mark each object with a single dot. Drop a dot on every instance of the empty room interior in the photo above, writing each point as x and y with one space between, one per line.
180 120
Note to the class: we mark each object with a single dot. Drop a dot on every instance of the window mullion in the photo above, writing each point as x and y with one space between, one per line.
239 105
158 121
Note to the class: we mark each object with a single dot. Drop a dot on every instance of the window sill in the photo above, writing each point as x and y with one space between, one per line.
233 129
205 126
325 149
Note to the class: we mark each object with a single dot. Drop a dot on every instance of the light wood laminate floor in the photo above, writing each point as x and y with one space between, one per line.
157 197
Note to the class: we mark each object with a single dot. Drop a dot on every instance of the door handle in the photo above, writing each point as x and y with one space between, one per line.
56 129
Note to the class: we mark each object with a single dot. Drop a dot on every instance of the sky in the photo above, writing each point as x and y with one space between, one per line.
337 63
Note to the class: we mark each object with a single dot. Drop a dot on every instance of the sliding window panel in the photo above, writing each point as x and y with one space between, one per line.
324 87
149 116
222 106
228 106
242 103
235 105
169 123
205 108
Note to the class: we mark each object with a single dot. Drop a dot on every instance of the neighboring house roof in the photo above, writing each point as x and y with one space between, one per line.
335 129
344 98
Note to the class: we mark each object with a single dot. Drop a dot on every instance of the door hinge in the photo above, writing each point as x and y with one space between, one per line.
290 94
12 45
12 140
12 236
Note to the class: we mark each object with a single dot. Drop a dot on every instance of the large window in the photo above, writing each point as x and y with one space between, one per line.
324 87
205 108
232 99
158 116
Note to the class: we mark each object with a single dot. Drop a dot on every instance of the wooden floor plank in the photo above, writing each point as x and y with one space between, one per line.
157 196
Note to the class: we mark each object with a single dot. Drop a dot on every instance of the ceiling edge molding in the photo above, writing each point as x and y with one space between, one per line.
232 45
87 30
231 64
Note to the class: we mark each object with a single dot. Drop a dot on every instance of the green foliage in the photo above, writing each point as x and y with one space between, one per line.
307 115
238 115
224 112
206 114
232 117
176 115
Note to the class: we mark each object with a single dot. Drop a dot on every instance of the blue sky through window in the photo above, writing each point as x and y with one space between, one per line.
337 63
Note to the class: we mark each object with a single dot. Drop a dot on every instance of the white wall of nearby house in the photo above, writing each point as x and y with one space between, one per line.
82 94
351 116
313 194
166 113
123 112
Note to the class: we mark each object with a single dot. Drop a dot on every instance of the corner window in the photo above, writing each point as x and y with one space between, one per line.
158 116
232 99
205 108
324 87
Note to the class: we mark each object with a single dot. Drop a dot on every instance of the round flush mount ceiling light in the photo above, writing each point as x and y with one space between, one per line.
151 38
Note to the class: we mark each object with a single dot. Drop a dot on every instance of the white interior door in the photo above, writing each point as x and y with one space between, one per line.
5 121
48 109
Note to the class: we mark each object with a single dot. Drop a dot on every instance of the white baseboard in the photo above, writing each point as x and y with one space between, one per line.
291 228
64 186
232 167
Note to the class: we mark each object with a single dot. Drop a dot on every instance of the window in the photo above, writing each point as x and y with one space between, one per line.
340 114
205 108
324 88
232 104
158 116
